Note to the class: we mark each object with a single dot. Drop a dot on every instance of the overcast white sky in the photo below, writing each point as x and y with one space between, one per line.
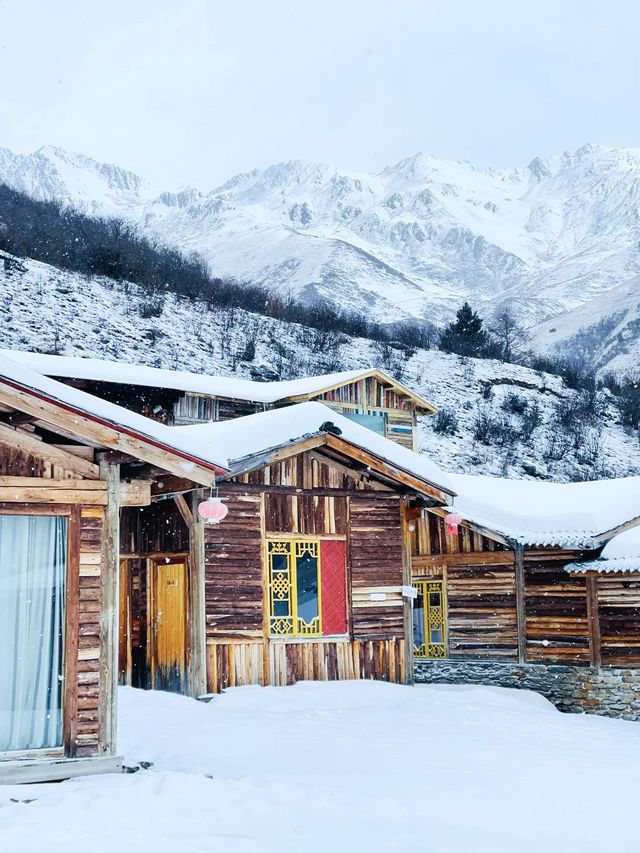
193 91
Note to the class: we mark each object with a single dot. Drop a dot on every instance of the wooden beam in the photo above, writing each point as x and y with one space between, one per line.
359 475
164 484
135 493
109 613
465 558
521 617
382 377
72 628
407 603
387 469
51 453
615 531
184 510
84 492
264 565
79 450
477 528
196 627
55 769
593 618
91 429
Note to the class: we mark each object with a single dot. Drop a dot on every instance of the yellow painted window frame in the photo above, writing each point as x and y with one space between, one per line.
284 587
434 618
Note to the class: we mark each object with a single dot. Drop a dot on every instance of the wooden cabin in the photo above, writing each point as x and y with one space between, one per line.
517 596
369 397
308 576
68 463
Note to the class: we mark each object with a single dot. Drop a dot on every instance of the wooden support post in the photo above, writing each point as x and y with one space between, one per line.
407 603
521 618
72 627
109 613
266 642
196 630
593 618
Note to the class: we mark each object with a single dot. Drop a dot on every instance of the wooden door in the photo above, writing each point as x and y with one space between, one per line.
169 625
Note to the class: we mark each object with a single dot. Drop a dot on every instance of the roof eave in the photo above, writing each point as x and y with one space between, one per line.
135 435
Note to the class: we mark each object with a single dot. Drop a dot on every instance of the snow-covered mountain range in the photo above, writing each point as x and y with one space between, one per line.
559 239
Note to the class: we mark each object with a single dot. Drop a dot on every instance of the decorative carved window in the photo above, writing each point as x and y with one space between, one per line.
307 594
429 620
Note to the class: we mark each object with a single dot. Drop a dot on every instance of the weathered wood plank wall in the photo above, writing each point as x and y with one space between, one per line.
618 602
557 628
481 593
273 502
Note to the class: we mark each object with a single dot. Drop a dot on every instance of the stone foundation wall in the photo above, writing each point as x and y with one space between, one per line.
609 692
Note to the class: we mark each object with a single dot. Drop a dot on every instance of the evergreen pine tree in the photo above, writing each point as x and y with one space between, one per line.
467 335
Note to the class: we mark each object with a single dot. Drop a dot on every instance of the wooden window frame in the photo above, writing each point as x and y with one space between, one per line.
69 696
428 650
313 637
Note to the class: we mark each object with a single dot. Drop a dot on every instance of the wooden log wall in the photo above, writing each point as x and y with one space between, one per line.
480 584
479 575
376 566
155 529
234 574
482 619
371 397
618 602
304 471
84 642
557 625
429 537
91 644
236 664
238 650
308 515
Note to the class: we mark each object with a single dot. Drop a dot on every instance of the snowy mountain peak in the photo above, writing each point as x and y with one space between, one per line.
414 239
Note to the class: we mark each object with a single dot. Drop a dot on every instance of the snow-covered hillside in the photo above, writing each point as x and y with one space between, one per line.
511 420
604 332
415 239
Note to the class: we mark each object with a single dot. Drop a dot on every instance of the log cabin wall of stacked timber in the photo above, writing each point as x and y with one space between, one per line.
47 507
490 612
69 463
303 579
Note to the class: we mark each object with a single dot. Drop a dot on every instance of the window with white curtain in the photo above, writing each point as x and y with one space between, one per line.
33 563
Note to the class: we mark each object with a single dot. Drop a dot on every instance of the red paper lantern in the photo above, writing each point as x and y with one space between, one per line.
452 521
212 510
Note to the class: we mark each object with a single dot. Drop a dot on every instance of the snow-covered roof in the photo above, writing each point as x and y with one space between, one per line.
564 515
621 554
256 435
100 370
35 384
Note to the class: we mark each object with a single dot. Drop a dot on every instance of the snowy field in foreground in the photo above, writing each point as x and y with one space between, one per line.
356 766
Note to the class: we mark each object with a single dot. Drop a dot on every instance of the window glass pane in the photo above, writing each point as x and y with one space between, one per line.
373 422
280 585
307 586
418 620
33 553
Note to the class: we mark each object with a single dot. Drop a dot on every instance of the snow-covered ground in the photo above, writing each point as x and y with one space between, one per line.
355 766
